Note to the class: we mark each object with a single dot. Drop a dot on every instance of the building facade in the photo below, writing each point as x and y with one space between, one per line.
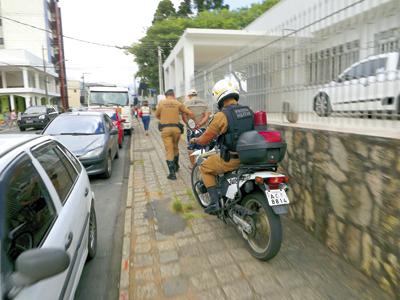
74 93
31 64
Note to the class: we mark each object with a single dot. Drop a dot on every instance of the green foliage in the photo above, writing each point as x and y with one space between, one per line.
185 9
203 5
164 10
168 28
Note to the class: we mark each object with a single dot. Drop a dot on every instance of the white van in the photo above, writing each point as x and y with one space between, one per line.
115 97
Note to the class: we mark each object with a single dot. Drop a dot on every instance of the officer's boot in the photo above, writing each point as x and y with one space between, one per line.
171 168
176 163
214 207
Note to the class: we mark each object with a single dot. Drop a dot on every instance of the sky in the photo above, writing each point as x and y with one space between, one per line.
117 22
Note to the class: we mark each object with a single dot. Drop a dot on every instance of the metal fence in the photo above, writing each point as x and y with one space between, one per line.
333 65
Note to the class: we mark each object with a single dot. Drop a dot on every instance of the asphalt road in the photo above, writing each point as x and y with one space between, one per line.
100 277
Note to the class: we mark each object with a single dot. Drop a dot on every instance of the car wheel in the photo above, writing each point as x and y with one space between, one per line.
92 237
108 163
322 106
22 129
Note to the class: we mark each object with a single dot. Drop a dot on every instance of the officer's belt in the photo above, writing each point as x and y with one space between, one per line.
178 125
233 155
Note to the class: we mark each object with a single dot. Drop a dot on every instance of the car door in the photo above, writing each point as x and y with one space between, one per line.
73 196
112 138
30 222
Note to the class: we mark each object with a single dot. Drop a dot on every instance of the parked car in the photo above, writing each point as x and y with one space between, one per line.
37 117
91 136
117 121
47 219
370 85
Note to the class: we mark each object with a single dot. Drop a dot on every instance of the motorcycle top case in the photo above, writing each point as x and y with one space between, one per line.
258 148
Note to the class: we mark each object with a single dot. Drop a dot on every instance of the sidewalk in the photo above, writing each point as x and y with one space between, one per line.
168 257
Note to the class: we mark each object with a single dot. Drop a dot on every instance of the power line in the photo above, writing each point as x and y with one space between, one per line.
65 36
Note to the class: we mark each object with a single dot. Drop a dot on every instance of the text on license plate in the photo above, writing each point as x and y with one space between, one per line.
29 121
277 197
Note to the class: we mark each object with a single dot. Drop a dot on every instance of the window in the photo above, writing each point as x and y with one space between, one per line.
1 41
71 157
75 124
30 212
325 65
60 171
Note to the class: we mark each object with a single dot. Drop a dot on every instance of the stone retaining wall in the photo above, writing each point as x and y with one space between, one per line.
345 190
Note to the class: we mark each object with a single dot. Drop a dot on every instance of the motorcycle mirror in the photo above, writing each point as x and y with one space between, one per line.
191 124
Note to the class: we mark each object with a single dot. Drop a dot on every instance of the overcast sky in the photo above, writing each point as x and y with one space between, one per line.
117 22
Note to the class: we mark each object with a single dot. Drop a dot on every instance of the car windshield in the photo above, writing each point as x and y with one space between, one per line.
109 98
76 125
36 110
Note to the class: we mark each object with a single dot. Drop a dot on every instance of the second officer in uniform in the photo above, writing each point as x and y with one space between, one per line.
168 113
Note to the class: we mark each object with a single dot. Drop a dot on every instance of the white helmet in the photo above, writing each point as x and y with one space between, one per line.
224 89
192 92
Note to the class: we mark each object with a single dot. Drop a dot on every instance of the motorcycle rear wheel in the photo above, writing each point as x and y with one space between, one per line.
202 198
264 243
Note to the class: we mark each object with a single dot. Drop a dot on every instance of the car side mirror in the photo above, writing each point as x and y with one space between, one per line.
114 131
37 264
191 123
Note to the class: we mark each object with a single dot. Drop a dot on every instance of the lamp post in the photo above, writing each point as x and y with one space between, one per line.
83 88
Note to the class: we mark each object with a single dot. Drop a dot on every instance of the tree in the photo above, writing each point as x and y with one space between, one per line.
185 9
165 9
166 32
202 5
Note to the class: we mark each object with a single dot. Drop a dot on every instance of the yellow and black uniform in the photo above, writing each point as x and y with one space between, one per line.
227 124
214 164
168 113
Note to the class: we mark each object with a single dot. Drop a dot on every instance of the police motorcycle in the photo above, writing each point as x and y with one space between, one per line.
253 197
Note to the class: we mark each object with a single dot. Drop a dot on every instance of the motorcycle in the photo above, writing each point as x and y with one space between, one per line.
252 198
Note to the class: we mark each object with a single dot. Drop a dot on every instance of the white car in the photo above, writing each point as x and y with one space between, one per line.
47 219
370 86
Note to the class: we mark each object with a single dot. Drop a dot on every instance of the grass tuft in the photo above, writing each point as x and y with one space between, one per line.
177 205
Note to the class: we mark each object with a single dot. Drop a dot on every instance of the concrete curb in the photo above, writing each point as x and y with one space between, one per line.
125 260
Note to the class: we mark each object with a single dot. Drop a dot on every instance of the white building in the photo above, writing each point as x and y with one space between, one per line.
288 53
198 48
23 53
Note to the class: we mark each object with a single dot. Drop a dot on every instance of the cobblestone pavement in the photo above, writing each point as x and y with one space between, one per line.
168 255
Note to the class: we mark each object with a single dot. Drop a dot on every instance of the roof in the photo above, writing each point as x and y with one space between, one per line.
8 142
81 113
213 43
107 89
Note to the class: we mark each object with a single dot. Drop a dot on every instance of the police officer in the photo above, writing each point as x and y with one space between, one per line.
168 112
228 124
200 109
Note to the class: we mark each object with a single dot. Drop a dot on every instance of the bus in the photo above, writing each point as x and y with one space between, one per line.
115 97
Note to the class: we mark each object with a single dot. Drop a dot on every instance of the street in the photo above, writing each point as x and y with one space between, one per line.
100 277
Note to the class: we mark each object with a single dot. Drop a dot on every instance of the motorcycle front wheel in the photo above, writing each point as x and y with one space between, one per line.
203 198
265 239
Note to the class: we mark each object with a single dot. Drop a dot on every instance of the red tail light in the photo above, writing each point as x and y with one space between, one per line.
274 182
277 180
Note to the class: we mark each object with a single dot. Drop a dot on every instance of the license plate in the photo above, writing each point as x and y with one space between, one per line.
277 197
29 121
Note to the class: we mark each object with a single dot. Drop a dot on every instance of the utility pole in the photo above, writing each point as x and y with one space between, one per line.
83 88
160 72
45 76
